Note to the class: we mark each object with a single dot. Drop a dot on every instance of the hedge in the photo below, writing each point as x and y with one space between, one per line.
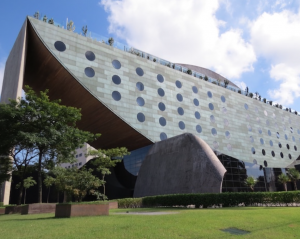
224 199
130 202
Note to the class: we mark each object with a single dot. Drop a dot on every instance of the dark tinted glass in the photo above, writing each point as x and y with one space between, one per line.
263 152
279 145
179 97
288 147
181 125
178 84
116 79
160 78
161 92
198 128
140 101
140 86
197 115
139 71
261 141
163 136
266 163
196 102
209 94
213 131
162 121
180 111
271 143
223 99
281 154
290 156
273 154
195 89
90 56
116 64
116 95
246 106
295 147
161 106
211 106
141 117
60 46
253 150
89 72
227 134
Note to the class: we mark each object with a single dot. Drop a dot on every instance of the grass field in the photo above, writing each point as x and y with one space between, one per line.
275 222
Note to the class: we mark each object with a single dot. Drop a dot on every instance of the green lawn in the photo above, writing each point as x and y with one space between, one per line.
185 223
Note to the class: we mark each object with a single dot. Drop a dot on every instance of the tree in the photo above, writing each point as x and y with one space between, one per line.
205 78
239 91
250 95
294 176
36 15
264 100
270 102
49 181
51 21
226 83
84 30
246 91
283 179
5 169
45 18
71 26
189 71
28 182
45 127
111 41
106 159
250 182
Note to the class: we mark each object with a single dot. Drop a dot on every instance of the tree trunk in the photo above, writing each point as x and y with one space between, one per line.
285 188
295 185
57 197
25 196
40 185
103 186
48 195
20 193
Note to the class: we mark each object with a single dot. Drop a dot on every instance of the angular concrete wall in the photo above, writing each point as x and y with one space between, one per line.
182 164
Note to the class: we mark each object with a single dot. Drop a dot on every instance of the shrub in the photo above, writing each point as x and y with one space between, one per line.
129 202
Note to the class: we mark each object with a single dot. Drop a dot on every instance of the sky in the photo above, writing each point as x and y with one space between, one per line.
254 43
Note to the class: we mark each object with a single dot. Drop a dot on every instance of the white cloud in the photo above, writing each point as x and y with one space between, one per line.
276 37
2 66
242 85
182 32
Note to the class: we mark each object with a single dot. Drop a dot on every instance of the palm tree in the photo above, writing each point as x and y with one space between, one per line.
283 179
71 26
250 182
294 175
84 30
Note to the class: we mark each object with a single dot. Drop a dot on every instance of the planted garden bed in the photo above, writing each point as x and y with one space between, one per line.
13 209
78 210
2 210
37 208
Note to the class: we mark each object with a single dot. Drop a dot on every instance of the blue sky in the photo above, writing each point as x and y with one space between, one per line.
252 43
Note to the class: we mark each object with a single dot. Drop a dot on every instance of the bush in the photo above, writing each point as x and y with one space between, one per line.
129 202
1 204
224 199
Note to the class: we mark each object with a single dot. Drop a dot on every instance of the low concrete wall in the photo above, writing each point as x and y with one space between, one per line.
2 210
13 209
77 210
113 205
37 208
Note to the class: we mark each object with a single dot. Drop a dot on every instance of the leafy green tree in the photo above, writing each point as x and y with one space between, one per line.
27 183
226 82
104 160
205 78
294 175
189 71
5 169
84 30
250 182
284 179
46 128
111 41
49 181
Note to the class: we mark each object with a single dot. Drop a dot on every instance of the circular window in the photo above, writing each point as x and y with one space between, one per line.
196 102
140 101
116 64
251 139
178 84
160 78
89 72
198 128
253 150
268 122
281 154
162 121
197 115
293 138
163 136
256 110
179 97
180 111
298 131
266 163
227 134
279 145
269 132
263 152
60 46
116 79
271 143
181 125
224 110
140 86
223 99
295 147
116 95
211 106
212 119
246 106
291 129
90 56
286 137
229 147
261 141
216 144
266 113
161 92
209 94
290 156
258 120
273 154
277 135
161 106
226 122
287 146
259 131
195 89
254 161
139 71
284 128
213 131
141 117
249 127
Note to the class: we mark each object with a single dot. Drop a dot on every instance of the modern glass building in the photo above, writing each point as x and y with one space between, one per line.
135 99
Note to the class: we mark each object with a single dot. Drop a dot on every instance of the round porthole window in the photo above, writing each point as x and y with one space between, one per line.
198 128
116 79
268 122
139 71
89 72
140 101
178 84
277 135
293 138
253 150
287 146
254 161
291 129
286 137
196 102
161 92
209 94
269 132
141 117
266 163
298 131
273 154
271 143
249 128
140 86
259 131
180 111
226 122
197 115
162 121
211 106
212 119
223 99
179 97
195 89
160 78
116 64
246 106
263 152
261 141
295 147
279 145
251 139
281 154
60 46
213 131
290 156
227 134
181 125
90 56
116 95
161 106
163 136
229 147
224 110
